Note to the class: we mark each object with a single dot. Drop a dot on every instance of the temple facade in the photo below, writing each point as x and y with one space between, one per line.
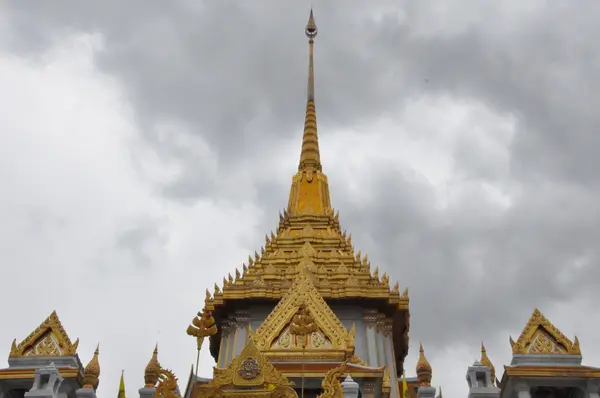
306 316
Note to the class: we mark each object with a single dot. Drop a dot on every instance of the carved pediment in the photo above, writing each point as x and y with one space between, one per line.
48 340
252 372
540 336
303 296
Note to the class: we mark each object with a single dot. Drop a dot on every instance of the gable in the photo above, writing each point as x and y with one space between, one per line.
250 372
49 340
326 332
540 336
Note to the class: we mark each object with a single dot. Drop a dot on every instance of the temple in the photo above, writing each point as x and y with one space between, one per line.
306 316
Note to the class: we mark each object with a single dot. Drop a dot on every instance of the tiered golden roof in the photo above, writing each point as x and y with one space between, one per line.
91 373
309 229
48 340
540 336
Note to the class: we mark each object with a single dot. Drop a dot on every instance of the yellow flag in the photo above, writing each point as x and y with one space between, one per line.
404 386
121 387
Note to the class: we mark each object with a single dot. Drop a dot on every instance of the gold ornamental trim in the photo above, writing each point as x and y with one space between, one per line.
16 374
304 296
249 373
48 340
579 372
541 337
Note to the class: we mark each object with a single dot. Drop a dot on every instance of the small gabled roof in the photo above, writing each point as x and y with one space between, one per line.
48 340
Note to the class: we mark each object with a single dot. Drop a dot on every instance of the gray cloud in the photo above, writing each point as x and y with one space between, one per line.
230 77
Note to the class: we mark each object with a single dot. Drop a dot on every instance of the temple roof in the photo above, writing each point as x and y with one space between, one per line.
309 230
48 340
308 227
541 337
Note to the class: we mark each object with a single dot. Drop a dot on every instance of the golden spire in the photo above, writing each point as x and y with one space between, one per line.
424 371
309 157
310 191
485 361
91 373
122 386
152 369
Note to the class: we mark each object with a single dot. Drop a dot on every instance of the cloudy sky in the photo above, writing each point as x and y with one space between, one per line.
146 148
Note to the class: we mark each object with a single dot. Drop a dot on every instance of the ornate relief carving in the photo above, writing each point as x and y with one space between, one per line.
370 317
249 369
540 336
544 345
332 387
48 340
167 385
250 372
302 300
288 341
202 326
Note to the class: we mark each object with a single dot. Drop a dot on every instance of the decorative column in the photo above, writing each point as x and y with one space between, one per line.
242 320
233 333
224 346
390 359
370 319
380 342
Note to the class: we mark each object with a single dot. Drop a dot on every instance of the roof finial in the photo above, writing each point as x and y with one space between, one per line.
311 32
485 361
310 157
152 369
91 373
424 371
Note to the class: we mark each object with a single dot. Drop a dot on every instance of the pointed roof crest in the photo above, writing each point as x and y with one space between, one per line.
48 340
541 337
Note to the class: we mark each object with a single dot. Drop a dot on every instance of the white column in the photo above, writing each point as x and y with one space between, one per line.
390 358
233 333
224 346
370 319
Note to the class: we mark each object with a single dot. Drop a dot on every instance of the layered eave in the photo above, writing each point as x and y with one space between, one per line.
340 273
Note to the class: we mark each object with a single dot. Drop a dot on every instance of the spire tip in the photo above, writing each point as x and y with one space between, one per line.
311 28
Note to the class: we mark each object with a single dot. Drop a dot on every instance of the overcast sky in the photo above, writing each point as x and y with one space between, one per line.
146 147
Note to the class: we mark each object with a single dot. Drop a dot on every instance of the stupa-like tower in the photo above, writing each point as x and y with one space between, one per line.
309 237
